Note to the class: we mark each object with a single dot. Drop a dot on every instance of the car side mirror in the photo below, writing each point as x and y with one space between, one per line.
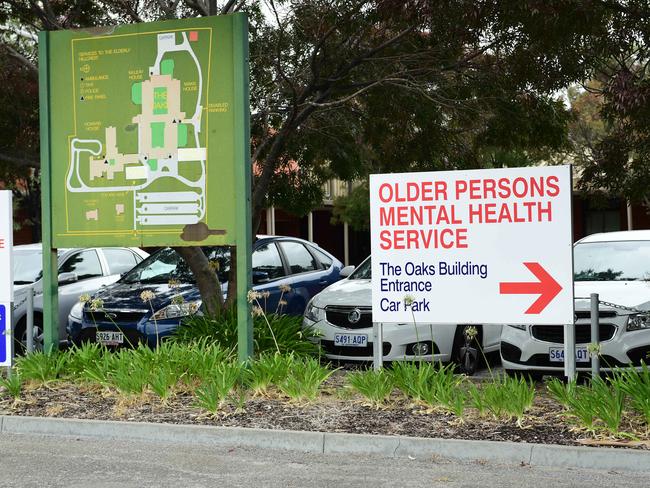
67 278
260 277
347 271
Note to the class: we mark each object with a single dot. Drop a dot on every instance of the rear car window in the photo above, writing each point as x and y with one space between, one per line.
299 258
119 260
324 259
85 264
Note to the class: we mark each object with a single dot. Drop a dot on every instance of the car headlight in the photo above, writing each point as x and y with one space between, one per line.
638 321
518 326
76 312
314 313
177 310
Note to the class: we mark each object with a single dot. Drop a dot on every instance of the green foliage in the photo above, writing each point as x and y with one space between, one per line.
162 380
290 336
129 373
376 386
215 389
304 380
428 383
507 397
596 405
12 384
42 367
269 369
636 384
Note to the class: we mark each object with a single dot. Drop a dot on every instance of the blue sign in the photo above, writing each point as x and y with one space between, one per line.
3 331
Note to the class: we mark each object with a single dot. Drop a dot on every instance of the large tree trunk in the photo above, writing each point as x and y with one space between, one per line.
206 279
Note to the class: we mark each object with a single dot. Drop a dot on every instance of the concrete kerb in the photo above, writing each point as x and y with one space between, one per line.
319 442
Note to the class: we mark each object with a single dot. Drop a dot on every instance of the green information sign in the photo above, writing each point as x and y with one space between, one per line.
143 135
145 142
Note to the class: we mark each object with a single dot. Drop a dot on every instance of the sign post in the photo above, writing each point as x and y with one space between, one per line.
6 277
150 143
487 246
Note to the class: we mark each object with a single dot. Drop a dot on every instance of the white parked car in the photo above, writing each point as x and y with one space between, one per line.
80 271
342 315
615 265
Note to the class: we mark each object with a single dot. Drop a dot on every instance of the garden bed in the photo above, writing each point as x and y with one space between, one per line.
201 383
329 413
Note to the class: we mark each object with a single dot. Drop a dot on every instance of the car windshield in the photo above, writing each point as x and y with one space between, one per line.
612 261
167 265
28 266
363 272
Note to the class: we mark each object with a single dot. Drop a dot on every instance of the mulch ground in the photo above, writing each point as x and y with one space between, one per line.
337 410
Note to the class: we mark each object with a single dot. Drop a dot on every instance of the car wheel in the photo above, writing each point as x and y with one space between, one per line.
466 353
20 336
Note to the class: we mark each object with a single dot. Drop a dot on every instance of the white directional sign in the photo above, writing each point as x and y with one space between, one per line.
6 276
481 246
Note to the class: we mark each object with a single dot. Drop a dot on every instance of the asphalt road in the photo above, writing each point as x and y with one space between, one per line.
38 461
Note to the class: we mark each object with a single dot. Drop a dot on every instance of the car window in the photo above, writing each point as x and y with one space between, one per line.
85 264
266 259
363 272
324 259
119 260
28 266
612 261
167 265
299 258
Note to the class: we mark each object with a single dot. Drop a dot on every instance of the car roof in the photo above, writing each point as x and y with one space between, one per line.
625 235
61 251
263 237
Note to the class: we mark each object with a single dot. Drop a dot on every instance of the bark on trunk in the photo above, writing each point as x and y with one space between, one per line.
206 279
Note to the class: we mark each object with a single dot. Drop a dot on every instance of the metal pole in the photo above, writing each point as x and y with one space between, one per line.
346 244
30 320
243 186
50 268
310 226
595 336
570 351
377 345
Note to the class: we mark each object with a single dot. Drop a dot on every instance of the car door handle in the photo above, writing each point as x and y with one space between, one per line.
322 282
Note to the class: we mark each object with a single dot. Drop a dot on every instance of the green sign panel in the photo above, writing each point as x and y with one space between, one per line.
146 133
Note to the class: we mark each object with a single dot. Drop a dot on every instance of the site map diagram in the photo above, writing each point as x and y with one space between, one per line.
145 110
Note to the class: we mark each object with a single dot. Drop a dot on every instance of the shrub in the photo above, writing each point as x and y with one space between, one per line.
290 336
304 379
375 386
42 367
269 369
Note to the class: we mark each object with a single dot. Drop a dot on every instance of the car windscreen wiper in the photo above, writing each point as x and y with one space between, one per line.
21 282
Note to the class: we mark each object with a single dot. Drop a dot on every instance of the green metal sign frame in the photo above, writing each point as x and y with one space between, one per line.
128 83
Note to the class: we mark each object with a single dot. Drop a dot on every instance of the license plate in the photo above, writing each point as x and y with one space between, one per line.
351 340
556 354
110 338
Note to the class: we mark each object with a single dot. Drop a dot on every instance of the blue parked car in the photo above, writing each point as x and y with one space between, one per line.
146 302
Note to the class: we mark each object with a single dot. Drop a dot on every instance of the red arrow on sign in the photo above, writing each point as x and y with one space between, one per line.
546 287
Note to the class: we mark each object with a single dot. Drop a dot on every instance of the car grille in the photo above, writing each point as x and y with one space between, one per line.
340 317
603 314
106 316
555 333
353 352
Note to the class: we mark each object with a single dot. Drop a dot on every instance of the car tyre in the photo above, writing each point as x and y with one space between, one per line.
20 336
467 358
